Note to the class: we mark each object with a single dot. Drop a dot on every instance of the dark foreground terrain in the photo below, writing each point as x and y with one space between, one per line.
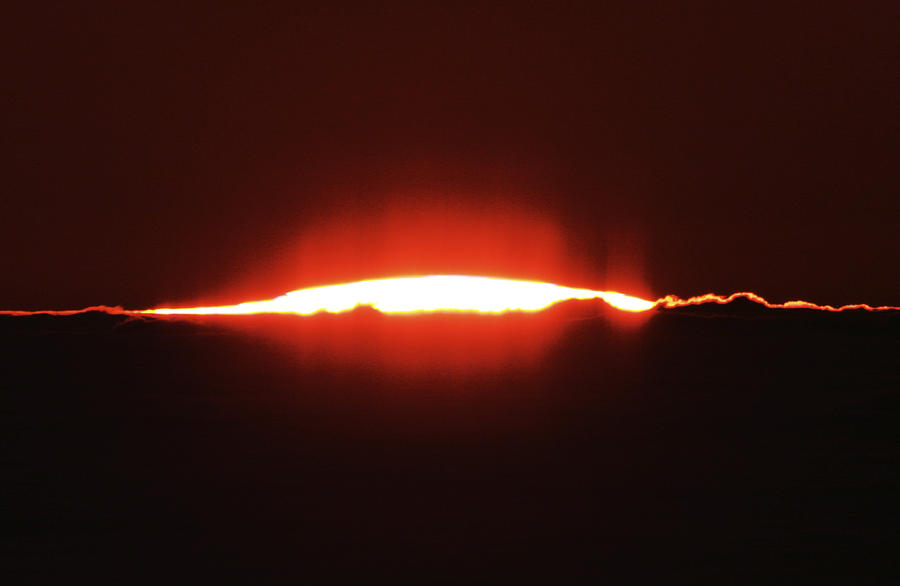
751 447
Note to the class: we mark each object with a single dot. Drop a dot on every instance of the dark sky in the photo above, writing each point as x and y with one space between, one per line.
174 154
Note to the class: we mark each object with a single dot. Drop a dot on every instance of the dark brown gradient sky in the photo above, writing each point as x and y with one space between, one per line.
170 154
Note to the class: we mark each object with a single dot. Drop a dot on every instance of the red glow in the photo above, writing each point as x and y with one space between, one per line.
413 235
101 308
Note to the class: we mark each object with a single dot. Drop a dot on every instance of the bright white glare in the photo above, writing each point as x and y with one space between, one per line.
453 293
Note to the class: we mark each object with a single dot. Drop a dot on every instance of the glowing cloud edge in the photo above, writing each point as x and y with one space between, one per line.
447 293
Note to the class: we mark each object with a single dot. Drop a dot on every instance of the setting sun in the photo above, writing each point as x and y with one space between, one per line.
431 293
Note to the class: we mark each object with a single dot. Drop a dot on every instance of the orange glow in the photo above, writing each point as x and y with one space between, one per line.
447 294
431 293
673 301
